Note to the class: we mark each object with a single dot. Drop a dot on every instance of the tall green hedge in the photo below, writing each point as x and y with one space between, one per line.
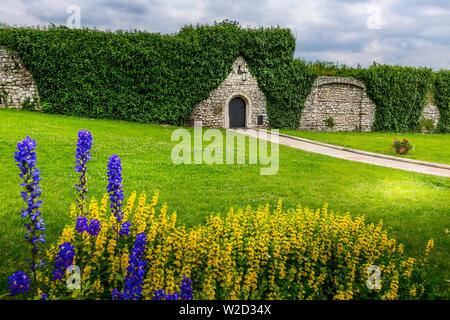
399 94
149 77
442 99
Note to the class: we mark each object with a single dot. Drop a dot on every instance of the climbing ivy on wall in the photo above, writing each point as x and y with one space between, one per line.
288 86
399 94
149 77
442 99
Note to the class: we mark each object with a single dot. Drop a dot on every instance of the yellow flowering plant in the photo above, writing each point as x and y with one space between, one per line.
244 254
135 249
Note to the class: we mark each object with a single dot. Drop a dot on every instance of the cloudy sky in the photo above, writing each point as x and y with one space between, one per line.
406 32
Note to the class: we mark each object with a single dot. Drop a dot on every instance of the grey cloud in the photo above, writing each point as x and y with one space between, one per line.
413 32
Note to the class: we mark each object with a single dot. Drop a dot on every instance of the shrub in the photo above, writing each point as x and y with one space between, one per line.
426 125
29 104
399 94
4 97
286 89
329 122
442 99
246 254
328 68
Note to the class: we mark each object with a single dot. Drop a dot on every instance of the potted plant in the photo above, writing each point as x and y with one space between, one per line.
401 147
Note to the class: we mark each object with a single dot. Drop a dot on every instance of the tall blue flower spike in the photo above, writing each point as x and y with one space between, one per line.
83 155
63 260
115 190
19 282
25 159
135 271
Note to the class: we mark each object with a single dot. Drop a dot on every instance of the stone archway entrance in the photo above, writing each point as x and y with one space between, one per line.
216 111
237 113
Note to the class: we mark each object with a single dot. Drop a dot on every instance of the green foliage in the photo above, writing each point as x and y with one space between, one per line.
29 104
47 107
401 144
149 77
4 97
442 99
327 68
286 88
329 122
399 94
426 125
145 153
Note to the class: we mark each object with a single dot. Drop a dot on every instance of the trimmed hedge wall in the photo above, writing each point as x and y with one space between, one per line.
149 77
399 94
442 99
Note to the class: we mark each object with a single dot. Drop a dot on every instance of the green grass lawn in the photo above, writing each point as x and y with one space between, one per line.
415 207
427 147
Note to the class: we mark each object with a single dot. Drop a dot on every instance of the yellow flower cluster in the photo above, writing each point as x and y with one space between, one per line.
247 254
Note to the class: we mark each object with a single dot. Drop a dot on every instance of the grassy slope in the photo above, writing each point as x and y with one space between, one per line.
416 207
428 147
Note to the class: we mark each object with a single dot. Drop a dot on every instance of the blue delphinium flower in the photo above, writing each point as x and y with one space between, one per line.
82 224
186 289
116 294
159 295
94 227
25 158
115 189
83 155
44 296
63 260
136 269
19 282
185 294
173 296
162 295
125 229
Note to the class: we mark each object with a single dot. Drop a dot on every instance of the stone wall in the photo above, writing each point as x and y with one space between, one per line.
342 99
346 102
213 112
17 88
430 111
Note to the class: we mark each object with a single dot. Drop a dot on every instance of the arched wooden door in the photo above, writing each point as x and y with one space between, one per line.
237 112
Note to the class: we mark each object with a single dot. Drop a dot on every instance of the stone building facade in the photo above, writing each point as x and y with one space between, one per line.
17 87
215 111
430 111
343 101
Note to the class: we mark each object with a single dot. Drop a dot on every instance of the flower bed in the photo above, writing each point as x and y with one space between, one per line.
136 250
